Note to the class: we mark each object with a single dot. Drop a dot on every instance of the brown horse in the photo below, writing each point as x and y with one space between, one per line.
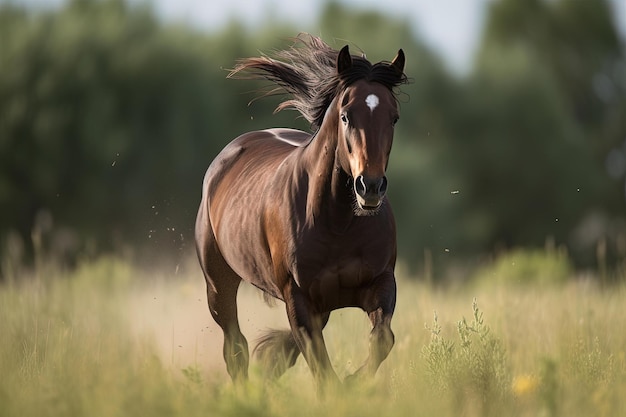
305 217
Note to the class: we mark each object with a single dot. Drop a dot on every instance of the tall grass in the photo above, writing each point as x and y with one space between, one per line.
111 340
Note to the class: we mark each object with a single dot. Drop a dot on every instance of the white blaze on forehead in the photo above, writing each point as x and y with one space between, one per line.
372 101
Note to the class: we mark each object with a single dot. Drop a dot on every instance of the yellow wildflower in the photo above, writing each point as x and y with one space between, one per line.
524 385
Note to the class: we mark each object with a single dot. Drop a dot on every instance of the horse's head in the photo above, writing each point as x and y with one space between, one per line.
367 112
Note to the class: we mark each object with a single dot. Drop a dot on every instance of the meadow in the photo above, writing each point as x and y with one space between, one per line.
109 339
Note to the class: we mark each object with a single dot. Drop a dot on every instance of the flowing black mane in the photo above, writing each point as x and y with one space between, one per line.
307 71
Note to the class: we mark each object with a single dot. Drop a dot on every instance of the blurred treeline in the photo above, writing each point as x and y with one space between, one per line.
109 118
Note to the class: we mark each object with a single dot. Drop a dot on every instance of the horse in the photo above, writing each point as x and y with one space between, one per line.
305 217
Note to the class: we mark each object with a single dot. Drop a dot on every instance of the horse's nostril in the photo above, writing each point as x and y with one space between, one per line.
359 186
382 186
370 187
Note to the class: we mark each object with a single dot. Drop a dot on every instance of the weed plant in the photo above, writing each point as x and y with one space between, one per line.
473 370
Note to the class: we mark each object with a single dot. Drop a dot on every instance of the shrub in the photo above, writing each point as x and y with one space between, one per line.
527 267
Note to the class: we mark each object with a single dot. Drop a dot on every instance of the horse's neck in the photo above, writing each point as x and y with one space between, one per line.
329 197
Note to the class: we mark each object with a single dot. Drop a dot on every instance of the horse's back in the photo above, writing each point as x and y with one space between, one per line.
278 139
293 137
262 149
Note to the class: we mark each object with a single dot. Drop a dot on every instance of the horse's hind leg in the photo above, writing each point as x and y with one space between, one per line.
223 306
222 285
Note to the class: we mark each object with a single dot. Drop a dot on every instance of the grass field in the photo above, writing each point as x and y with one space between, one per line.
109 340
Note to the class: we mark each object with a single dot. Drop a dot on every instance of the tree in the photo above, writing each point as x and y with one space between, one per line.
563 62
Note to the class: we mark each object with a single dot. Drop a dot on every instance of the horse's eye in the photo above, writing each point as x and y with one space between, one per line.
395 120
344 118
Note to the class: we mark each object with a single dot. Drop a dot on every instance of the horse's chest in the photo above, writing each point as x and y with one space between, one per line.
346 273
335 282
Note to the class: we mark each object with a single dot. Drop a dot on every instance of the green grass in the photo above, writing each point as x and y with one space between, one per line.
110 340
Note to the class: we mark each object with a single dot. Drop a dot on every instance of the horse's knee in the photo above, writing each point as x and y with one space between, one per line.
381 342
382 339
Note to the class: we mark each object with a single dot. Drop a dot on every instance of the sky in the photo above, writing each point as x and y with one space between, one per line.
450 27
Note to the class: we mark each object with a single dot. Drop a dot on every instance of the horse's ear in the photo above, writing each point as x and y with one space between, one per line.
398 61
344 60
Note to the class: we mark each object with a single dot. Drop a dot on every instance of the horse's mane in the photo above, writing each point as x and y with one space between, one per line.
307 71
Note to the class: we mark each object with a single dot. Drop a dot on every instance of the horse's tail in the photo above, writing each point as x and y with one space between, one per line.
277 351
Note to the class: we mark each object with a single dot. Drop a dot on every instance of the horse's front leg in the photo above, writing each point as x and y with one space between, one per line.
306 326
379 302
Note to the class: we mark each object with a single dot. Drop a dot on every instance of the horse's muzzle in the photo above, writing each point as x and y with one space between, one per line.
370 191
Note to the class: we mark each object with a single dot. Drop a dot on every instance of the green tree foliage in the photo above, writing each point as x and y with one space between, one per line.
524 170
577 41
549 94
109 118
98 104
